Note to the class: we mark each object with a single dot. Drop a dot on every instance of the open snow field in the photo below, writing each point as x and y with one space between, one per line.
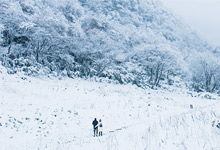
52 114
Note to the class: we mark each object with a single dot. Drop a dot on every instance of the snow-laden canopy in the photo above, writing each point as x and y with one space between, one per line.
128 41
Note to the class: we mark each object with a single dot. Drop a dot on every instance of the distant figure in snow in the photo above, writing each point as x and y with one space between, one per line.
218 125
95 127
100 127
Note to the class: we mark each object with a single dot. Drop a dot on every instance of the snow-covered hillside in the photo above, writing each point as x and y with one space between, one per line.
54 52
41 114
126 41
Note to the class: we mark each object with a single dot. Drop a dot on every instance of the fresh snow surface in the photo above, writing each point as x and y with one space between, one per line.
52 114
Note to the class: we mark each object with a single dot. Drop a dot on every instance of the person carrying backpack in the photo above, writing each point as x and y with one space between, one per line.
95 127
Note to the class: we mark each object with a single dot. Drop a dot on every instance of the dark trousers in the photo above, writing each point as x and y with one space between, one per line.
95 131
100 133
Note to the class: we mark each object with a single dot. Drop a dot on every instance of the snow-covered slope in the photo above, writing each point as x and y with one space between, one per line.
125 41
137 42
40 114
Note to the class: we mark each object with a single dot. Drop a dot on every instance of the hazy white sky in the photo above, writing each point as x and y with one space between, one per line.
202 15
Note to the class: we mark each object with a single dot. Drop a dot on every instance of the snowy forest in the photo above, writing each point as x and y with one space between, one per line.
122 41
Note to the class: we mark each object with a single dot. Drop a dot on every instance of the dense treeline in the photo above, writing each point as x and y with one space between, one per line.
126 41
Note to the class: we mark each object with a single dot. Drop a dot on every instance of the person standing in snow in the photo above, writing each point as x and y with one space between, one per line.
218 124
100 127
95 127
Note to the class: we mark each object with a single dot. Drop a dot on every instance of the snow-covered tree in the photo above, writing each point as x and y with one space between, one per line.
126 41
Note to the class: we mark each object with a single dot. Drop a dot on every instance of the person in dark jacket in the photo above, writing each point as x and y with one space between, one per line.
95 127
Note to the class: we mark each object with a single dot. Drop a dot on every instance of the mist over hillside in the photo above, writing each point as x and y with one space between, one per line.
123 41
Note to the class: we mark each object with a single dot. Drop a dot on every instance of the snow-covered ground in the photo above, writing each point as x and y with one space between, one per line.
41 114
